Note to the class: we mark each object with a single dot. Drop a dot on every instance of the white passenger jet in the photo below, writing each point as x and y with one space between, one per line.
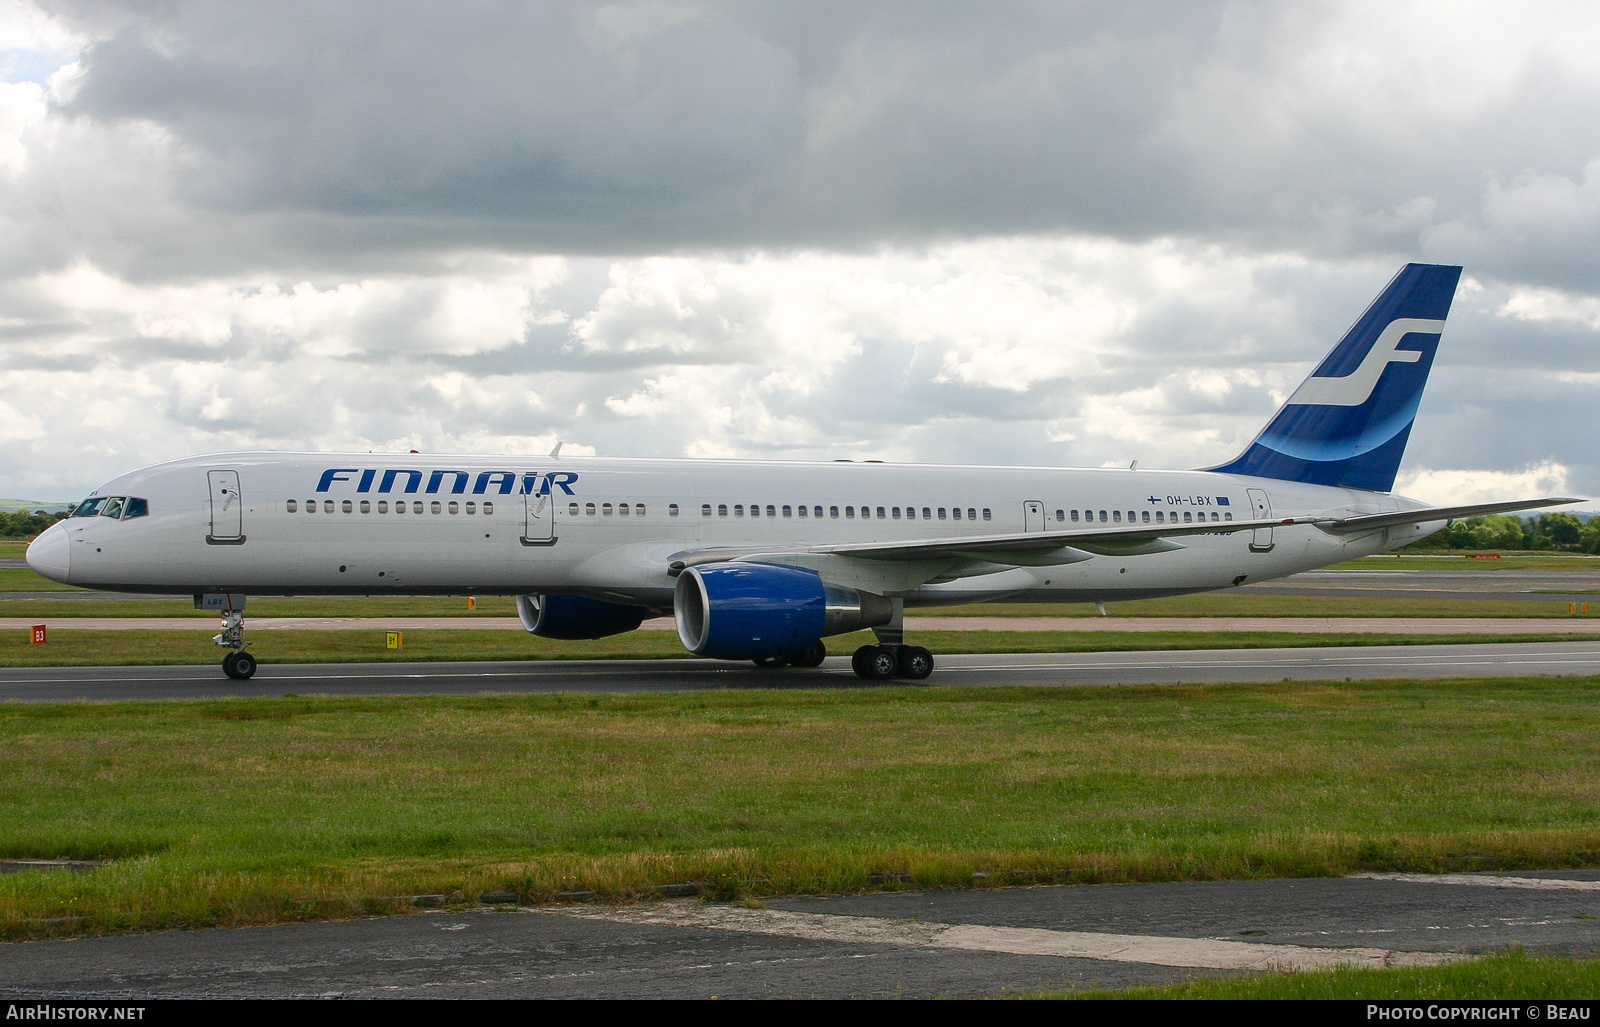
761 560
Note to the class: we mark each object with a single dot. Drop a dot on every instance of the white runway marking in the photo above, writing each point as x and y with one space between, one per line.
1201 953
1487 881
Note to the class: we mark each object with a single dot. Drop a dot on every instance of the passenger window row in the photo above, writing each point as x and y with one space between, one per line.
1140 516
815 512
366 506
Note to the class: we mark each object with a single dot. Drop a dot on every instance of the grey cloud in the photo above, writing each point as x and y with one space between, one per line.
393 129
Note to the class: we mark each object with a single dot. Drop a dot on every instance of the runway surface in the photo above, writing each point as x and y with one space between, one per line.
902 944
1571 625
1507 659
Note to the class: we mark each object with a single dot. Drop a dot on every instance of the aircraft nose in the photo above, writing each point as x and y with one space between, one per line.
50 554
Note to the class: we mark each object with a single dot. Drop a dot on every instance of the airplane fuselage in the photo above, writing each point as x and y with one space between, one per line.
346 524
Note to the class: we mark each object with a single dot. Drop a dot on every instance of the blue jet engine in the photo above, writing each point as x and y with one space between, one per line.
744 611
575 617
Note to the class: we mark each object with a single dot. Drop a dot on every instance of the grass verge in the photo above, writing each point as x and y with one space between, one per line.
253 811
1506 976
81 647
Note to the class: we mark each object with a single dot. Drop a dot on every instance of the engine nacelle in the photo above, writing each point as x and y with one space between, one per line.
574 617
740 611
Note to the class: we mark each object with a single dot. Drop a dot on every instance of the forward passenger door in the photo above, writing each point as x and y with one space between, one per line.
539 520
227 509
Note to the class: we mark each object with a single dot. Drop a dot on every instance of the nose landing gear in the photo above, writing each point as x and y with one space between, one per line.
238 664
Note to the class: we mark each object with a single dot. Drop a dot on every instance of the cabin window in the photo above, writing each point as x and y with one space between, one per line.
311 506
705 509
956 512
588 509
803 511
383 506
605 508
416 507
986 514
399 508
1214 516
849 511
472 508
292 506
488 508
347 506
787 512
896 512
435 507
927 514
1226 516
833 511
327 506
738 509
1074 515
672 510
455 507
366 507
722 509
136 508
638 509
1187 517
572 509
1145 516
972 514
1061 515
941 513
1116 516
772 511
880 513
622 509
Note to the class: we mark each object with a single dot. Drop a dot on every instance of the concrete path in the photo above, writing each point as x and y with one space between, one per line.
907 944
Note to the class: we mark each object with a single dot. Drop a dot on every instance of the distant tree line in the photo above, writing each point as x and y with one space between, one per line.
23 524
1551 532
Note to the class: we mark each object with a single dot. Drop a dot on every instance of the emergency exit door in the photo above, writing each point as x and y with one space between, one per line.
1033 515
539 527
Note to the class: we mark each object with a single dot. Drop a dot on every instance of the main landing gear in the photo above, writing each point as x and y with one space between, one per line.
238 664
885 661
891 657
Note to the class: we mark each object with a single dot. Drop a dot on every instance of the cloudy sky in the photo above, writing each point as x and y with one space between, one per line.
1047 233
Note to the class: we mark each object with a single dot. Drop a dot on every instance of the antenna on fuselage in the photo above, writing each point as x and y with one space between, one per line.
557 451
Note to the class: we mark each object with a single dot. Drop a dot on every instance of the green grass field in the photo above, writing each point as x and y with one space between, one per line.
246 811
92 647
1506 976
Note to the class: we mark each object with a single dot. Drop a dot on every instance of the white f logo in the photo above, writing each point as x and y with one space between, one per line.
1353 389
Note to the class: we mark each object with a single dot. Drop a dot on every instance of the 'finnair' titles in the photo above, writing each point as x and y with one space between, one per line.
762 560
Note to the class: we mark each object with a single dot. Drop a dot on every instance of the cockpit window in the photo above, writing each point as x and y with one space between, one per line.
122 507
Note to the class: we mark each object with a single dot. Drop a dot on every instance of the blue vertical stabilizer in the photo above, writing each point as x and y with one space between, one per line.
1348 423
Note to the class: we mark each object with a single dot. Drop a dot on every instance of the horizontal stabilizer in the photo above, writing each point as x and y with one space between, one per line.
1369 522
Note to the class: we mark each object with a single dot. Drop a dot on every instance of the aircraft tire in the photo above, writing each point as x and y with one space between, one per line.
239 666
861 661
884 662
915 663
811 656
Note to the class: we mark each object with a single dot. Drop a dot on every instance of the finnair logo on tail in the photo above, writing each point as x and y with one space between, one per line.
1355 388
